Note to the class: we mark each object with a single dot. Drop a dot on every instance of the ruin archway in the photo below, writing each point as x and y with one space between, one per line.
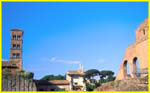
126 67
136 67
137 51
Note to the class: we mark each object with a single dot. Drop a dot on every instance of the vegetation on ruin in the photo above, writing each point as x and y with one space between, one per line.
25 74
7 71
130 84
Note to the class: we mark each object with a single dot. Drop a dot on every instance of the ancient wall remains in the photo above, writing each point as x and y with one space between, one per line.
17 83
136 53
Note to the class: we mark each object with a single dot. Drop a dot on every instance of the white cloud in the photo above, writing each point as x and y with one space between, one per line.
4 59
60 60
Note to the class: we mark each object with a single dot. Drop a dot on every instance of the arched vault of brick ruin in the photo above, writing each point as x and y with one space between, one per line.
137 51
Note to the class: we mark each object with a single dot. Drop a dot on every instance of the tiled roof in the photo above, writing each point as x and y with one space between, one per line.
59 82
16 29
42 82
75 72
6 64
52 82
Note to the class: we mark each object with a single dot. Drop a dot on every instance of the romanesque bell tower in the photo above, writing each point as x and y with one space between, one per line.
16 48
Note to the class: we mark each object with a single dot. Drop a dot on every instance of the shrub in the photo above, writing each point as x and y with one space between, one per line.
28 75
90 87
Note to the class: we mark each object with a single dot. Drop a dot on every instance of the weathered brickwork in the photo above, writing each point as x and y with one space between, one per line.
16 48
137 51
15 63
16 83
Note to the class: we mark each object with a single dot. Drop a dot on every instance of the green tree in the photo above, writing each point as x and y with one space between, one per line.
105 76
53 77
89 74
90 87
108 75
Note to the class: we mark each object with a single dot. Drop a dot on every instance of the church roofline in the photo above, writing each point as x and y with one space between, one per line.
17 29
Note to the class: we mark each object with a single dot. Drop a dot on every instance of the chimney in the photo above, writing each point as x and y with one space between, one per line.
81 68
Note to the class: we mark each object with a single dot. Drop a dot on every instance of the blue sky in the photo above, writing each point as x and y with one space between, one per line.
60 35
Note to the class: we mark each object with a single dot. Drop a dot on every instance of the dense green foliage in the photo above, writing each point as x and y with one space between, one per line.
91 73
90 87
52 77
25 74
61 90
104 76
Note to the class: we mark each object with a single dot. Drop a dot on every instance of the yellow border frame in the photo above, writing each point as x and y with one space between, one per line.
67 1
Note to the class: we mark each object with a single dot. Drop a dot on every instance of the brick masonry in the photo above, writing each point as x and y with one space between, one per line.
16 83
137 51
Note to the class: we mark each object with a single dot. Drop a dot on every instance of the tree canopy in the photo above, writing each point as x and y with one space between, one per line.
105 73
91 73
53 77
104 76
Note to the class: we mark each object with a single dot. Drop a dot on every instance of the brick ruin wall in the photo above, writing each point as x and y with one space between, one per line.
138 51
17 83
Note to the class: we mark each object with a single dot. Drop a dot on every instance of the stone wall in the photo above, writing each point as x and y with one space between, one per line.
17 83
137 51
